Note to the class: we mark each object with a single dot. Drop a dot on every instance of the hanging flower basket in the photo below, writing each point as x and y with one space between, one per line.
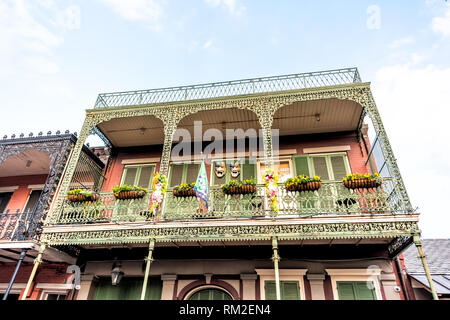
184 190
303 183
82 195
359 181
129 192
237 187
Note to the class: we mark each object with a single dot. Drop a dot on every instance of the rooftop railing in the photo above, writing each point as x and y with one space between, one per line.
230 88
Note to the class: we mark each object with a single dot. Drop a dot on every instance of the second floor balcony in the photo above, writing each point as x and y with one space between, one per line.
333 198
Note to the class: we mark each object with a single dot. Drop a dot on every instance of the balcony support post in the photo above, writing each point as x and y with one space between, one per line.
276 259
418 244
149 260
170 125
13 278
37 262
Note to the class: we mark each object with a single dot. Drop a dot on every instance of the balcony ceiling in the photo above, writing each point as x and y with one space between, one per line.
29 162
298 118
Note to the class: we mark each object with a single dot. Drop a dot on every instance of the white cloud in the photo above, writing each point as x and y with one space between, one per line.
441 25
207 44
232 6
401 42
147 11
413 103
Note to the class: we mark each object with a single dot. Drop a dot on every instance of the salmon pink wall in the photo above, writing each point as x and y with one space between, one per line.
20 195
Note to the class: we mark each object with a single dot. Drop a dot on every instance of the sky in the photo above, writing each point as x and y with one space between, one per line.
56 56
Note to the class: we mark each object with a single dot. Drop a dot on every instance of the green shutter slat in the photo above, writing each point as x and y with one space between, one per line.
145 177
128 289
338 166
346 291
320 167
248 170
365 291
270 290
130 176
192 172
301 165
290 290
176 174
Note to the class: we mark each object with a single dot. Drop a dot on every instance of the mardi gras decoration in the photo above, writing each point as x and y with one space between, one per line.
235 169
270 179
220 169
159 187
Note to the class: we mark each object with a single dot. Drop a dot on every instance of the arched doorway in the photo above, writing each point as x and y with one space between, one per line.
211 293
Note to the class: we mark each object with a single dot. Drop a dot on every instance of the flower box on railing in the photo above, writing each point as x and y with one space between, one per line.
184 190
303 183
237 187
359 181
129 192
82 195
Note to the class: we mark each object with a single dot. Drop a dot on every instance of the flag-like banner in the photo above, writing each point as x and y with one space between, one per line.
202 185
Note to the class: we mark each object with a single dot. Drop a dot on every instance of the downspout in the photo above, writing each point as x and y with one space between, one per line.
149 260
11 282
37 262
402 280
418 244
275 259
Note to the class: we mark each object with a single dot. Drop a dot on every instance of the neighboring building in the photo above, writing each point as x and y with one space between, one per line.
334 243
438 257
30 172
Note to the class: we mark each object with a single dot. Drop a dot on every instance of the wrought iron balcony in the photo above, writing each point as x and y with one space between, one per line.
331 199
230 88
19 226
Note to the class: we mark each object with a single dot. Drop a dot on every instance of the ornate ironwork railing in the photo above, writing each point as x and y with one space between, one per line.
17 226
230 88
331 199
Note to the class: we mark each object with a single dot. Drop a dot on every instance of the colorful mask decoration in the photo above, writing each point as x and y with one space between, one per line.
235 169
220 169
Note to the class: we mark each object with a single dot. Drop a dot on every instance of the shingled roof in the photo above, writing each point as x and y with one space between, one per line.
437 252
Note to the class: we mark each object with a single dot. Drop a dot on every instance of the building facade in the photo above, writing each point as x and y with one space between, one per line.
336 242
30 172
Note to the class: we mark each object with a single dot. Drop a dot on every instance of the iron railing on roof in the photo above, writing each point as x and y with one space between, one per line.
230 88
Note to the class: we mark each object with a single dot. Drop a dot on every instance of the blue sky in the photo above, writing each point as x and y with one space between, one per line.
56 56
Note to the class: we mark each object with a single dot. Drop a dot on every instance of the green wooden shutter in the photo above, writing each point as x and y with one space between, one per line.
346 291
128 289
145 177
176 174
301 165
365 291
270 290
4 200
192 172
320 167
129 176
338 167
290 290
248 170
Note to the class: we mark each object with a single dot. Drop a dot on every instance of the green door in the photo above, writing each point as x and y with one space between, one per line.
210 294
356 290
128 289
289 290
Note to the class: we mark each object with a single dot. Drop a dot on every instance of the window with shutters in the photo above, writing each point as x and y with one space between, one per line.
4 200
183 173
330 167
289 290
248 171
282 166
138 175
356 290
32 200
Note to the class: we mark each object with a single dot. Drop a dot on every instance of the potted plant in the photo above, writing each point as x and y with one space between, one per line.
82 195
129 192
357 180
303 183
184 190
238 187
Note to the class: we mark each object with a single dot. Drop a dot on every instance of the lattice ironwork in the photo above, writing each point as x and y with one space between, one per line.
230 88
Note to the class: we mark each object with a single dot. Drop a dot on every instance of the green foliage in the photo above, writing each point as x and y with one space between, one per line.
184 187
356 175
301 179
125 187
84 192
235 183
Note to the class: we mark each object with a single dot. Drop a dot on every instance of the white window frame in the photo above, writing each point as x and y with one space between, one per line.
171 163
328 162
54 288
352 275
205 287
138 165
297 275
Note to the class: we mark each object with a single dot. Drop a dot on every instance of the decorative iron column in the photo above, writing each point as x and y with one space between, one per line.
276 259
265 116
37 262
170 125
88 125
418 244
149 260
388 154
11 282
